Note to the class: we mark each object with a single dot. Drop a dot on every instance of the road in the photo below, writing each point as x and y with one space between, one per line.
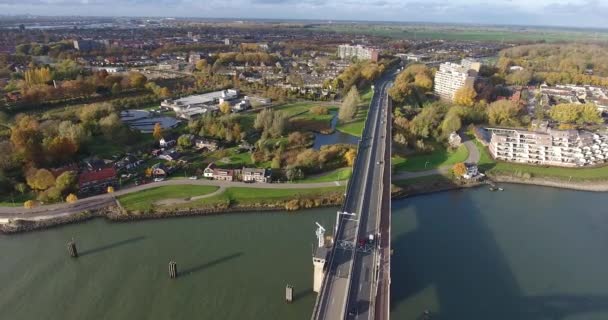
349 279
102 200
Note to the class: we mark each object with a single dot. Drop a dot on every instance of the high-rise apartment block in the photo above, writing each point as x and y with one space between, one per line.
453 76
346 51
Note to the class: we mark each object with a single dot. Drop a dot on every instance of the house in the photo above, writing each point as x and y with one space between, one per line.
208 172
472 171
95 164
166 143
208 144
223 174
97 181
161 170
170 155
256 175
245 146
129 162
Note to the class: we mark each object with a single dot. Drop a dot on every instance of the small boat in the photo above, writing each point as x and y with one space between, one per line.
493 188
501 189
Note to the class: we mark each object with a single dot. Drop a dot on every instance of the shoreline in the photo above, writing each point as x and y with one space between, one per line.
114 213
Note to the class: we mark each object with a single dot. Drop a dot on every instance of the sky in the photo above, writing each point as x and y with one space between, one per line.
573 13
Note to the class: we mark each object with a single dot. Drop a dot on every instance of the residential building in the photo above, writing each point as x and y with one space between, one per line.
208 172
451 77
360 52
547 146
208 144
96 181
166 143
256 175
89 45
223 174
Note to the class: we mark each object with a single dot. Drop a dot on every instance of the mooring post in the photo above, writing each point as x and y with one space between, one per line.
288 294
172 269
72 249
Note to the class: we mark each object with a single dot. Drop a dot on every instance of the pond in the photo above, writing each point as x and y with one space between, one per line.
336 137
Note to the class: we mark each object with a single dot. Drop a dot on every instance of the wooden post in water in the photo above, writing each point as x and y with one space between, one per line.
172 269
72 249
288 294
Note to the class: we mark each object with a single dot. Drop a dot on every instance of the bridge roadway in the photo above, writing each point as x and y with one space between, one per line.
350 284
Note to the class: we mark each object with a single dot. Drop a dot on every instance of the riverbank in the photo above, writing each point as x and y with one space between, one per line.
594 186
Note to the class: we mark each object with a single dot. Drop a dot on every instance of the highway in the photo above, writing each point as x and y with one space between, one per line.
349 286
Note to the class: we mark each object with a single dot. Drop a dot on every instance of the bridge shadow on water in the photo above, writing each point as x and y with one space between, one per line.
452 253
209 264
111 246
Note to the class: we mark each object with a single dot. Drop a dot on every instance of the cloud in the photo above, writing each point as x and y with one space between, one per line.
587 13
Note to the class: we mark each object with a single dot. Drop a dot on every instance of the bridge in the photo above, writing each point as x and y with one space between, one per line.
356 281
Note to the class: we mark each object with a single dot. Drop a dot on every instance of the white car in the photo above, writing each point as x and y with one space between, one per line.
159 179
193 178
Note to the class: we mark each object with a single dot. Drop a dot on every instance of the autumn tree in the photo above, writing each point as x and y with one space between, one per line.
225 107
350 156
26 138
184 141
451 123
348 109
137 80
67 182
576 113
157 133
40 179
29 204
465 96
459 169
319 110
71 198
503 113
201 65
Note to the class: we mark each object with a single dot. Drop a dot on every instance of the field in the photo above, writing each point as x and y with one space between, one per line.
438 158
569 174
336 175
469 33
143 200
244 196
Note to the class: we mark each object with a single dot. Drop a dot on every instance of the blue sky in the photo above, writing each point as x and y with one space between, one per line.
576 13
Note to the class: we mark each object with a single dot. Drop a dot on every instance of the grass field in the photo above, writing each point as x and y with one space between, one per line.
438 158
144 200
243 195
16 199
568 174
336 175
471 33
421 180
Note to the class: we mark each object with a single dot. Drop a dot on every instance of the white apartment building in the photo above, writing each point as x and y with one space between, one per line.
452 76
346 51
565 148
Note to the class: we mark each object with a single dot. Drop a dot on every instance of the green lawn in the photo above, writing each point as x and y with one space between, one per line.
438 158
336 175
574 174
144 200
244 195
421 180
16 200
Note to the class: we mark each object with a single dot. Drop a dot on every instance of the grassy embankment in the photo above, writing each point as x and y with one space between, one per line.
438 158
355 127
144 200
336 175
234 196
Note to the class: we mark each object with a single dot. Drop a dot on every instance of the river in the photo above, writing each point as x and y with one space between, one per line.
525 253
336 137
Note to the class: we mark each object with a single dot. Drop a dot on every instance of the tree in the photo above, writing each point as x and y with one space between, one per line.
350 156
279 124
225 107
67 182
450 123
184 141
425 123
520 78
348 109
29 204
459 169
201 64
276 162
41 179
423 81
27 138
319 110
157 133
503 113
576 113
21 187
465 96
71 198
137 80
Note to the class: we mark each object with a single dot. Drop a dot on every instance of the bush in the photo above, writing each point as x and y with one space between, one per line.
29 204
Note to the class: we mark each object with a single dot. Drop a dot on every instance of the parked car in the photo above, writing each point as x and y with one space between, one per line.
193 178
159 179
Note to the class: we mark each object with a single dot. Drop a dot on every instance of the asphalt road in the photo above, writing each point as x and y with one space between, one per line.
348 280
